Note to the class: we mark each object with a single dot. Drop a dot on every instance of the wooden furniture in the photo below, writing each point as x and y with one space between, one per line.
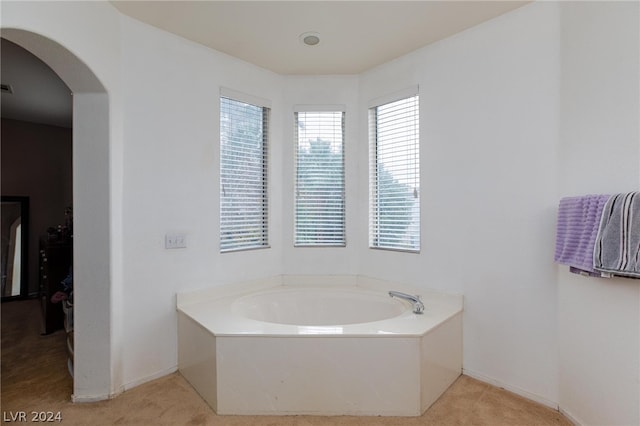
55 261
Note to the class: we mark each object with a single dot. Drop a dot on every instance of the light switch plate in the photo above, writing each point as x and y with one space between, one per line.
174 241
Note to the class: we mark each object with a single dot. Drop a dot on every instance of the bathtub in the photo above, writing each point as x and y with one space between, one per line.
318 345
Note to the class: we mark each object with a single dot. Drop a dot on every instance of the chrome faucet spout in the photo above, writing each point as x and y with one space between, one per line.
418 306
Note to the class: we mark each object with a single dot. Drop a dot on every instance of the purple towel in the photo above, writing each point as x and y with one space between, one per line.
577 229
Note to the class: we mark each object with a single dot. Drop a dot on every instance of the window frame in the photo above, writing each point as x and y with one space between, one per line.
235 244
377 231
341 240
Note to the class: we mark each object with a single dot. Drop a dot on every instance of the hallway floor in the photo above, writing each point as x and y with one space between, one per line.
35 378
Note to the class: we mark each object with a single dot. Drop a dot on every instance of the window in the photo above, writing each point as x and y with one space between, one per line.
319 186
243 175
395 175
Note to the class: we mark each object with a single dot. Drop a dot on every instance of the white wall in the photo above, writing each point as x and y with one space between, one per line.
489 117
171 163
94 283
599 319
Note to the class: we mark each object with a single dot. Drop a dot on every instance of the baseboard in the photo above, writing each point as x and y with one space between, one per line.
124 388
146 379
518 391
573 419
86 399
96 398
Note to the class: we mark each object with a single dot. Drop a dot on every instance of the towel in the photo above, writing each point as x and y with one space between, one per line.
577 229
617 247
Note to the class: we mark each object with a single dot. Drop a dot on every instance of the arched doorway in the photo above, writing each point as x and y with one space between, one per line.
94 375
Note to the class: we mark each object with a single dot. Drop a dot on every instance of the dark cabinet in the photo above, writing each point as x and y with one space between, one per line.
55 262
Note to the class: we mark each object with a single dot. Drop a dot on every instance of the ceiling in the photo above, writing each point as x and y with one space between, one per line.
354 36
39 95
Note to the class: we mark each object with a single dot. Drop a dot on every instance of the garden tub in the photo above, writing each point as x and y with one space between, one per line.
319 345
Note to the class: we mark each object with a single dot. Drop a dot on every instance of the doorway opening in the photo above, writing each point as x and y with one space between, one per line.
91 229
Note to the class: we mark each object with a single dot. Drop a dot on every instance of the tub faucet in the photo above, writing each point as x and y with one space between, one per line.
418 306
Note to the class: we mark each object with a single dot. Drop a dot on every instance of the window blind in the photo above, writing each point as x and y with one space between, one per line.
243 175
319 186
394 177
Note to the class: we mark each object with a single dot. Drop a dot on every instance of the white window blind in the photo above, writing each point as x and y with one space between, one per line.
243 175
319 186
394 176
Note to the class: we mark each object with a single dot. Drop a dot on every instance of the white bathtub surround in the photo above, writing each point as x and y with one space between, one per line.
396 364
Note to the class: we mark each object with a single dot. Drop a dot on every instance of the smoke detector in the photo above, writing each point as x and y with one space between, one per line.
310 38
